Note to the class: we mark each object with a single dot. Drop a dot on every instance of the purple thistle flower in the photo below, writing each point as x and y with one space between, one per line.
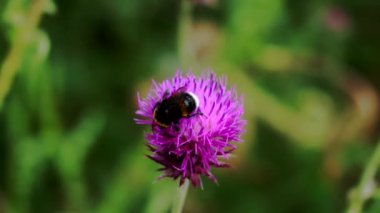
201 141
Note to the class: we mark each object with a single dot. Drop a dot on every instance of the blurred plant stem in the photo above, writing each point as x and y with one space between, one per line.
183 27
367 185
179 200
13 60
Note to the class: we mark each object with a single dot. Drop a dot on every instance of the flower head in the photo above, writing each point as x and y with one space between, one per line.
196 143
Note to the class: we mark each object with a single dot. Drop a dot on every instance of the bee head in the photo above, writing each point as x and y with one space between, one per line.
196 99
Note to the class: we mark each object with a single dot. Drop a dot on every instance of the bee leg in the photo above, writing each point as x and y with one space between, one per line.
194 114
154 127
176 126
201 114
155 106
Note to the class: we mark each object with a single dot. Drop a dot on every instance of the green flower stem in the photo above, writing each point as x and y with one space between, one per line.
179 200
13 60
367 186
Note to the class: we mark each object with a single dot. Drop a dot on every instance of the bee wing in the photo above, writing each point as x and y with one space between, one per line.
180 90
166 95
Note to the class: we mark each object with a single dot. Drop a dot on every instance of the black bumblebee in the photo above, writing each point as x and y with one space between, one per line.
171 109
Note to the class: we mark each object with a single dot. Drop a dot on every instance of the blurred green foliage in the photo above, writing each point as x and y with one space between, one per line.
308 71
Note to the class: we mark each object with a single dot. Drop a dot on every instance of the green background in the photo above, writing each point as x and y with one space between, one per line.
308 71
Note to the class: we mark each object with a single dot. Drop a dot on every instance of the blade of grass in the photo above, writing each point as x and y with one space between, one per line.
366 188
13 59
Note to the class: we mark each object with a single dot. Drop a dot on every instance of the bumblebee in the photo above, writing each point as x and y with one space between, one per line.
172 108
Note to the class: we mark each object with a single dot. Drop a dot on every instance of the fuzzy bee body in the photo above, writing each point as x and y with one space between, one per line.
171 109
